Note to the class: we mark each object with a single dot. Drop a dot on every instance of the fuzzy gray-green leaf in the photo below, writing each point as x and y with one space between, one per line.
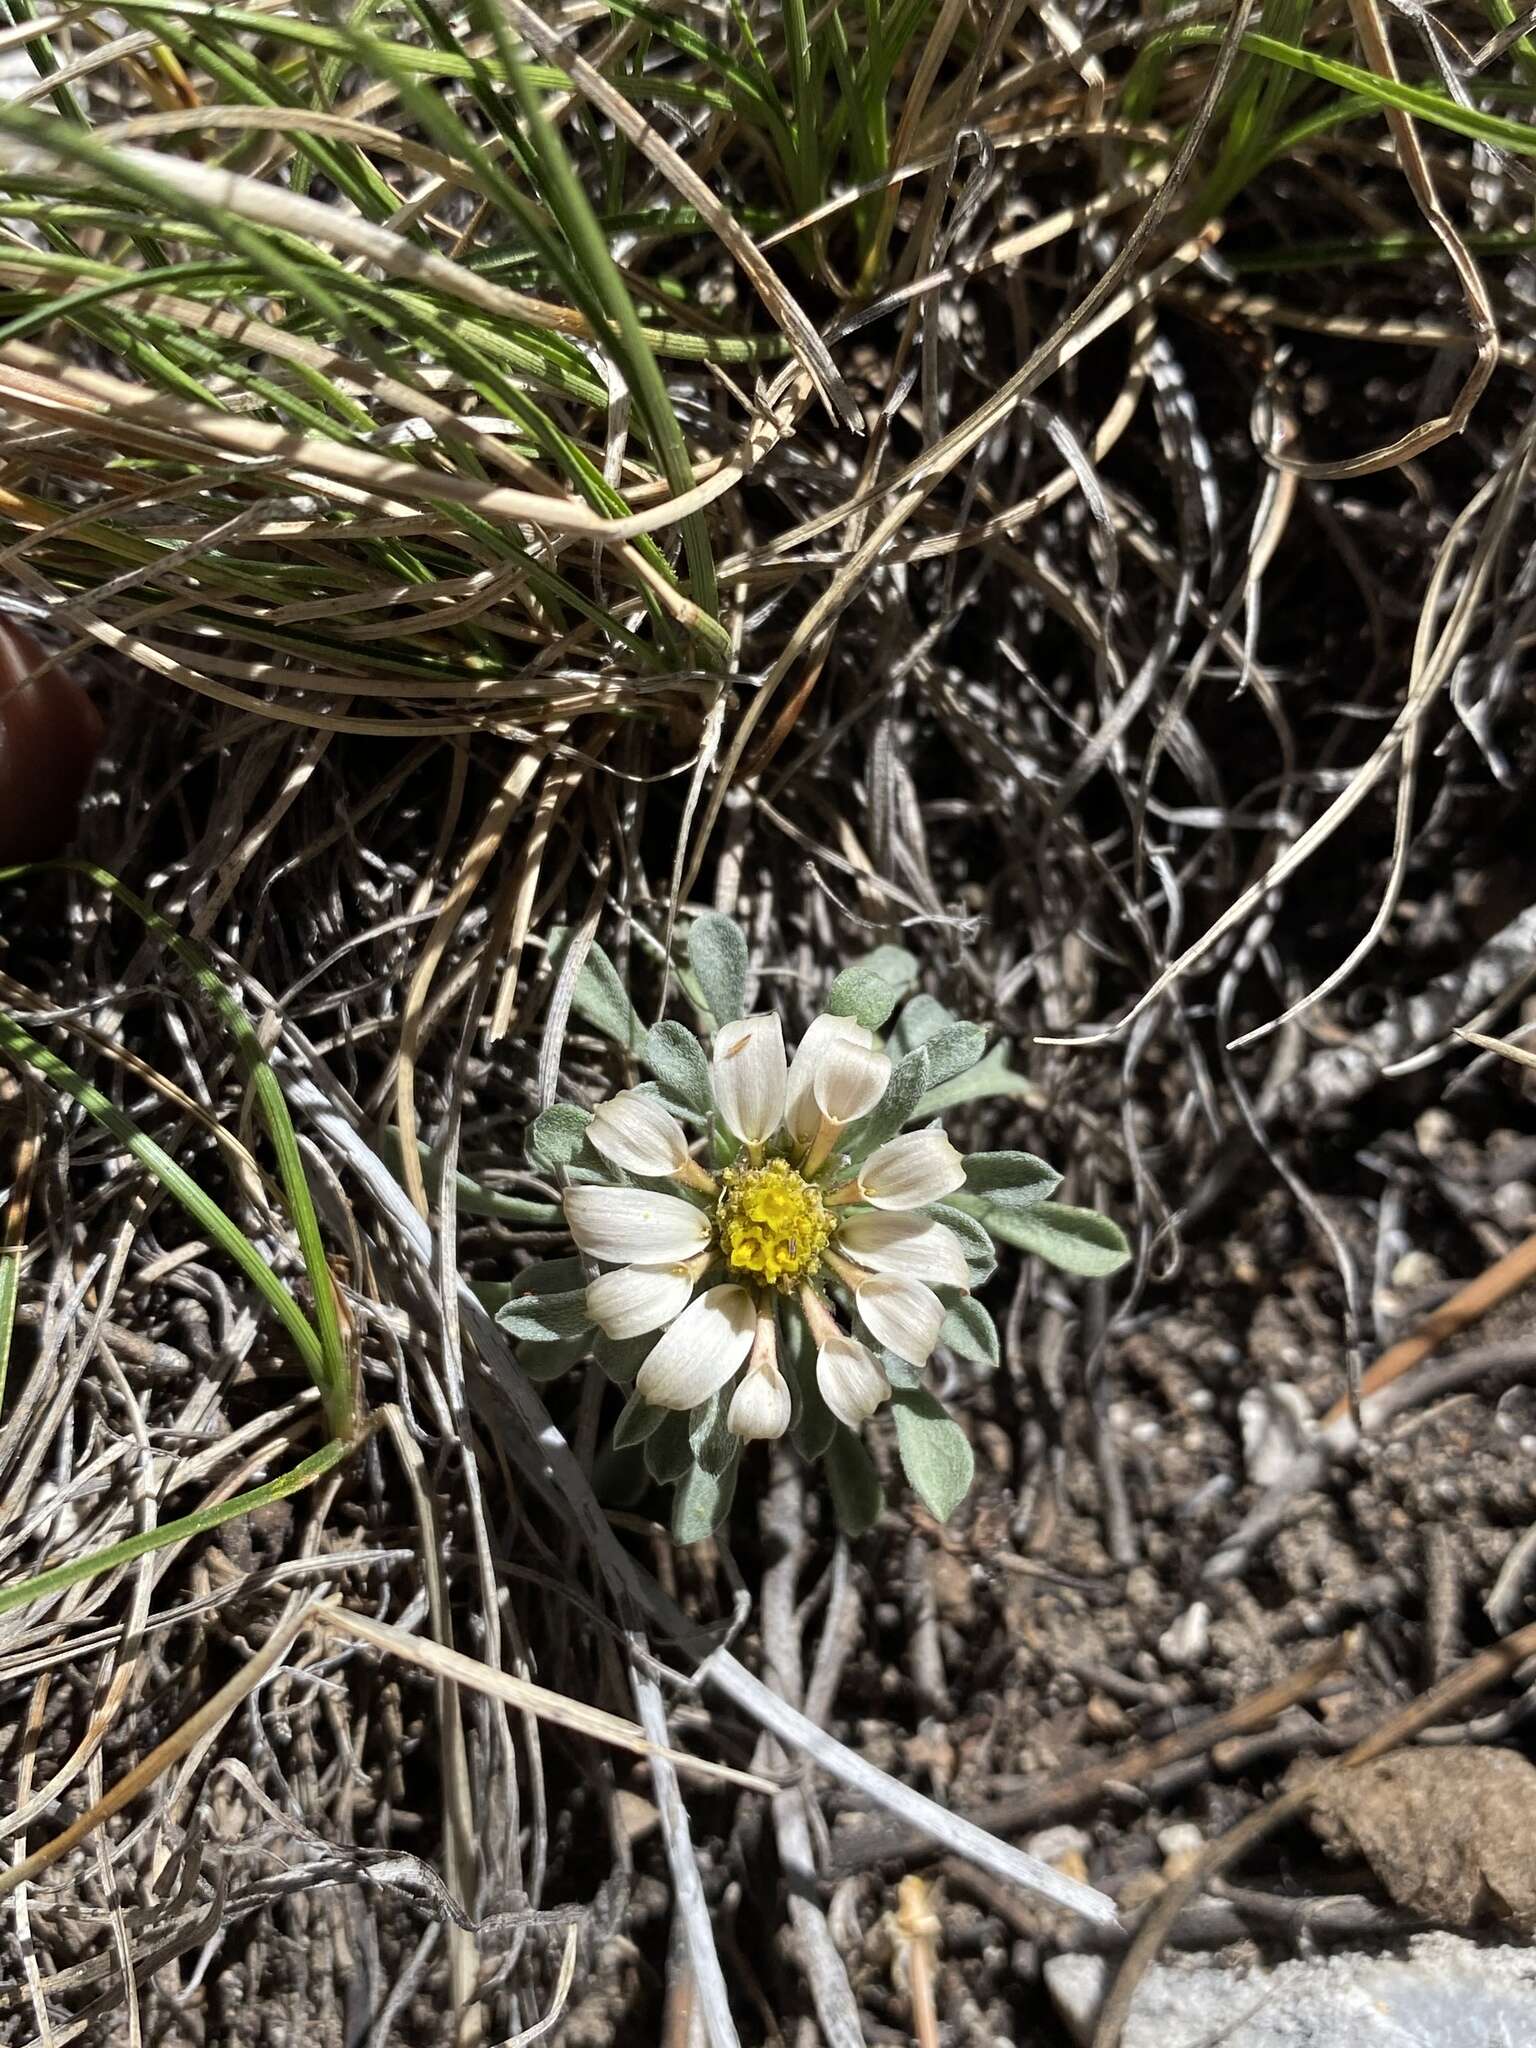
557 1135
980 1256
543 1360
903 1092
638 1421
864 995
677 1060
969 1331
923 1018
857 1497
893 964
622 1357
668 1453
717 954
702 1502
813 1424
1078 1240
709 1437
953 1051
600 998
539 1318
934 1453
1009 1180
989 1077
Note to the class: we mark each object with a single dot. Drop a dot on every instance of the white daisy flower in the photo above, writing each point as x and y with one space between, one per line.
759 1241
771 1232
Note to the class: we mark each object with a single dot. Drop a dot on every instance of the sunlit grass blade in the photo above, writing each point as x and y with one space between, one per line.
321 1345
79 1570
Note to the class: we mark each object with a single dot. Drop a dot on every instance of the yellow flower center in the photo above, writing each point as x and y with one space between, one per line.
773 1225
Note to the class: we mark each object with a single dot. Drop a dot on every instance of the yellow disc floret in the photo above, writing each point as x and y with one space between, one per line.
773 1225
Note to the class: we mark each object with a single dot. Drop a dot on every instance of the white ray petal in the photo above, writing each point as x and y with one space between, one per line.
849 1080
750 1076
919 1246
911 1171
802 1119
851 1382
903 1315
634 1131
634 1226
760 1406
696 1357
633 1299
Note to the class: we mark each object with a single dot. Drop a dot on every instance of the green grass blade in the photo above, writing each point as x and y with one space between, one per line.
1420 101
326 1355
95 1562
210 1219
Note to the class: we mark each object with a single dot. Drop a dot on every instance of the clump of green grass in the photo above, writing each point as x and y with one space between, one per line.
390 371
315 1334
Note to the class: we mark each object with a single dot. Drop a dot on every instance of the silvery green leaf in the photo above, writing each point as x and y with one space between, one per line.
864 995
717 954
493 1294
537 1318
677 1060
622 1357
470 1198
969 1331
952 1051
903 1092
893 964
708 1437
857 1497
548 1276
934 1453
557 1135
979 1253
546 1361
812 1426
901 1372
600 998
1078 1240
668 1453
921 1020
1009 1180
812 1429
638 1421
990 1076
702 1501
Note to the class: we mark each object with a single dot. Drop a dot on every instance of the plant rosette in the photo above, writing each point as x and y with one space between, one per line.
772 1244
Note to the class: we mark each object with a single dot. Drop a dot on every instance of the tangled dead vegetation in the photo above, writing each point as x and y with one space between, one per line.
1051 492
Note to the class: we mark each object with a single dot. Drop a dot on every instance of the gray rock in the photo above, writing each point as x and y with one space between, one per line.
1444 1992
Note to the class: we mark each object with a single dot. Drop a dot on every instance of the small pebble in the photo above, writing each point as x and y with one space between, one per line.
1514 1205
1276 1421
1065 1848
1076 1985
1185 1641
1415 1270
1143 1588
1107 1716
1435 1129
1181 1844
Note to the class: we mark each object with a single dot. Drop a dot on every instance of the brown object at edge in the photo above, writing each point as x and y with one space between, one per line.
1448 1832
1504 1277
50 733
